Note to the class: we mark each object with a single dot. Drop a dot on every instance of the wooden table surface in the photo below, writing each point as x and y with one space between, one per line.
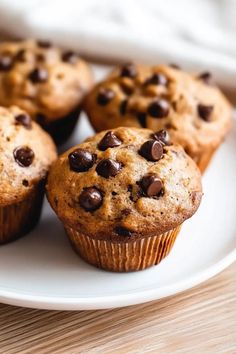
201 320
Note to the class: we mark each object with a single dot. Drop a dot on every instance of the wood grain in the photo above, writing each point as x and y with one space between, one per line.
202 320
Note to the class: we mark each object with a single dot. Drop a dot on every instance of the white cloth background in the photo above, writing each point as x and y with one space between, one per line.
197 34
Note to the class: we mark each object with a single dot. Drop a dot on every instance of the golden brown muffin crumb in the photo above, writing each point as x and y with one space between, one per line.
124 183
26 153
46 82
196 113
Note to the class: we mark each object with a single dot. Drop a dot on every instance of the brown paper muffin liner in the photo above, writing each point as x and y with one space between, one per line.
19 218
126 256
61 128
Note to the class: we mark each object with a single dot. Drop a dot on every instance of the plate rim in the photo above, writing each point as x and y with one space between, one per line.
45 302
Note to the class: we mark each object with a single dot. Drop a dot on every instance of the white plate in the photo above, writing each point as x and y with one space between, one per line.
42 271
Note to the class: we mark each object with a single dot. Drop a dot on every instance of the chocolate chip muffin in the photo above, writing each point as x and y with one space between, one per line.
26 152
122 196
46 82
195 112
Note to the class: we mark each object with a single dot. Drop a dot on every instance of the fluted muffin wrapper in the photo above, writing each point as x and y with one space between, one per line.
126 256
61 129
19 218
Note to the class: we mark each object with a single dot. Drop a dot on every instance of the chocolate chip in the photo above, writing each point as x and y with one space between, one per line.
90 199
127 88
40 57
105 95
108 168
23 155
162 136
151 150
205 111
128 70
174 66
38 75
25 183
81 160
20 55
6 63
159 108
24 119
151 185
130 188
126 212
205 77
122 231
44 44
135 192
123 107
69 57
141 116
157 79
110 140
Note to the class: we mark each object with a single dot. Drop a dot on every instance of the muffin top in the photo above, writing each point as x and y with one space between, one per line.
26 152
124 183
41 79
194 111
